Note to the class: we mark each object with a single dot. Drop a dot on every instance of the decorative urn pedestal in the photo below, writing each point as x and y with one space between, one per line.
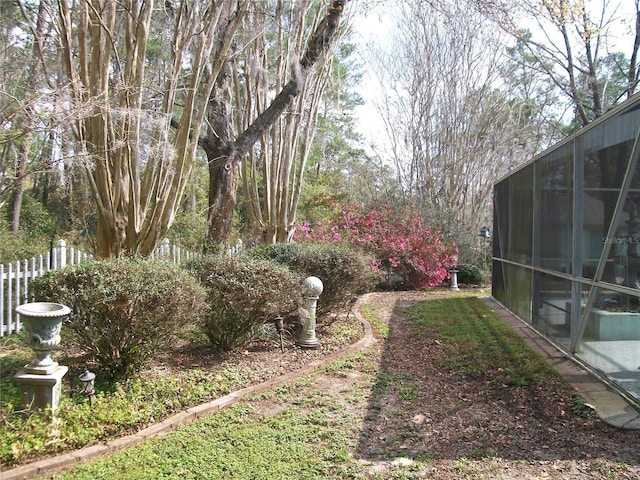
312 289
454 280
41 379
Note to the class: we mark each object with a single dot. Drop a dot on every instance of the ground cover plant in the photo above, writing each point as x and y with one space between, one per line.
119 408
412 406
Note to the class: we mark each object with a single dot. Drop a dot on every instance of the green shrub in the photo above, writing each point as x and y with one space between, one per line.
244 294
124 311
35 219
20 245
345 273
187 230
470 274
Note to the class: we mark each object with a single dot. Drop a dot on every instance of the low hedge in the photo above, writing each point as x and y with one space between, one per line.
124 311
243 294
345 273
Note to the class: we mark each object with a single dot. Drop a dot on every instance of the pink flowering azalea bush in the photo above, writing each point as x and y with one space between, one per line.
397 238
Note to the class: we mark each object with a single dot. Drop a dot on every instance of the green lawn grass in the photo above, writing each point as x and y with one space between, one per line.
478 342
119 408
308 437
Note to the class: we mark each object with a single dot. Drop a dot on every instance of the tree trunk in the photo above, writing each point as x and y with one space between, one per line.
16 205
223 172
632 75
26 122
223 188
224 162
139 149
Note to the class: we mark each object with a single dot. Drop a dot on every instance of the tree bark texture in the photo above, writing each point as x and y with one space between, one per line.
224 179
138 159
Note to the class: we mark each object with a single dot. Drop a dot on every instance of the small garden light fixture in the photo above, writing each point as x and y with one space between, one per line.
279 324
485 233
87 380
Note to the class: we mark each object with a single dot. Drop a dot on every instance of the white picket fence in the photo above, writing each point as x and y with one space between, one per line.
16 277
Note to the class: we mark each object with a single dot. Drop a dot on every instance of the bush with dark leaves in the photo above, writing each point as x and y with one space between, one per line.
470 274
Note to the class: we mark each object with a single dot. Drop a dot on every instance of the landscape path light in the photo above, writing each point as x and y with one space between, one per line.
485 233
87 381
279 324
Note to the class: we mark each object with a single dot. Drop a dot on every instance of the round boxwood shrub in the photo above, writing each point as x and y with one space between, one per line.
124 311
470 274
345 273
244 293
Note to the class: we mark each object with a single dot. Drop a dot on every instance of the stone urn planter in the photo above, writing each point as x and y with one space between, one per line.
42 322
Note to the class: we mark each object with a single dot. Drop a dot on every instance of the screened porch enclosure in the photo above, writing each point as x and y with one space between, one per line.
566 247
